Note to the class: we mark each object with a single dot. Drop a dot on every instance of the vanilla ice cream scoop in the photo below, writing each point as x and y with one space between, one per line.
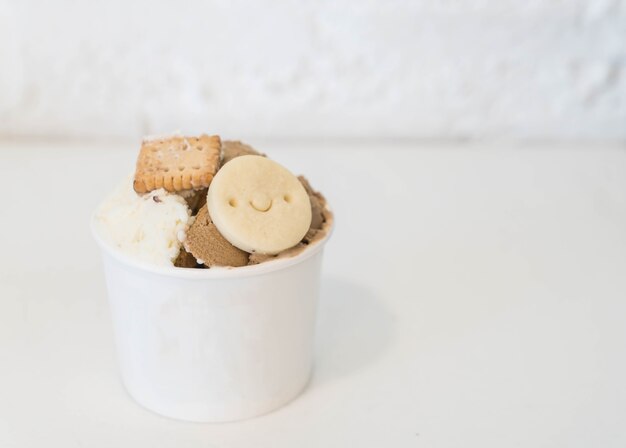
149 228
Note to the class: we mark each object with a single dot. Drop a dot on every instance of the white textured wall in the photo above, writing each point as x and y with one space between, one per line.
551 69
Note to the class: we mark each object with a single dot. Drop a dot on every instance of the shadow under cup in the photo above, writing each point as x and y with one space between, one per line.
213 345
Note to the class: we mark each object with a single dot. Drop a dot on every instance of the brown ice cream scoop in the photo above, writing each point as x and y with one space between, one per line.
235 148
318 204
195 199
186 260
207 244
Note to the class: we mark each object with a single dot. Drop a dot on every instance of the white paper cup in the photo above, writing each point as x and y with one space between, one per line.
213 345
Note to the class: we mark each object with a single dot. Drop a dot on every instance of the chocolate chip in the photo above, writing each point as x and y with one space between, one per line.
156 199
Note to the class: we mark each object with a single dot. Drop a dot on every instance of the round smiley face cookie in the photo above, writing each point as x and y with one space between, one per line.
258 205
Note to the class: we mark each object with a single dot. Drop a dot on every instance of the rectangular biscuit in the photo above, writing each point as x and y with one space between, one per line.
177 163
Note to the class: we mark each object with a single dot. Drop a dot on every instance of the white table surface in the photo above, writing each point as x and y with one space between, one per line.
472 297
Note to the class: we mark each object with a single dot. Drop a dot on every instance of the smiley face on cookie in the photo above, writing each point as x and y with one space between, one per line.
258 205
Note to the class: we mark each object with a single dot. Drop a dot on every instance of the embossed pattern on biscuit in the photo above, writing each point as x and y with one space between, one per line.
177 163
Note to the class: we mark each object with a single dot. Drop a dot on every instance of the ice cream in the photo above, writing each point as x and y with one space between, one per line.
150 227
257 210
209 247
232 149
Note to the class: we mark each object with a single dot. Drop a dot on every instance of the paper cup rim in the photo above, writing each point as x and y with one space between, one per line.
217 272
